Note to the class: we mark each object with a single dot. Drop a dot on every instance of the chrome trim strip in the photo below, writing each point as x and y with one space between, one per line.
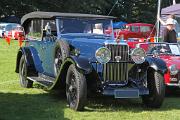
174 84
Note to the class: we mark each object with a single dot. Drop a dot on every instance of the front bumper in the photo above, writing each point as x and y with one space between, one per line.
126 92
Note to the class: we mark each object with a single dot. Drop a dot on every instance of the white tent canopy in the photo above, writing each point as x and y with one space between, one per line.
173 9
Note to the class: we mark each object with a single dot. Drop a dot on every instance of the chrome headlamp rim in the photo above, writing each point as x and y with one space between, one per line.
100 58
173 69
136 57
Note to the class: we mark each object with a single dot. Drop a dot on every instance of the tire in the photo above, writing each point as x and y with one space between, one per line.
156 87
61 52
24 82
76 89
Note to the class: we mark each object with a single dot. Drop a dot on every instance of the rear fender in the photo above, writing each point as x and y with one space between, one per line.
32 59
22 51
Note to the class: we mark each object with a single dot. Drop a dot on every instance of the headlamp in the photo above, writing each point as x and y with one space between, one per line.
138 55
103 55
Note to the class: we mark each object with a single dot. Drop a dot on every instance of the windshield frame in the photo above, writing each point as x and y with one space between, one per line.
148 52
59 20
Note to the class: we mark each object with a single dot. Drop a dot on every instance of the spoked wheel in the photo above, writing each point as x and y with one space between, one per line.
57 60
71 89
156 87
76 89
24 82
61 53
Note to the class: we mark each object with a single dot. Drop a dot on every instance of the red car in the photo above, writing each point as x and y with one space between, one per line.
170 53
16 32
136 30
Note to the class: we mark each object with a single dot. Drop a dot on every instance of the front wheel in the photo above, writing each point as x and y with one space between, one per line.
76 89
156 87
24 82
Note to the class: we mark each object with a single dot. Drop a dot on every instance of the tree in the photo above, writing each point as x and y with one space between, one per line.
124 10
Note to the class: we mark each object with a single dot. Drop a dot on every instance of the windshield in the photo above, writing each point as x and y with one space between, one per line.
10 27
89 26
162 48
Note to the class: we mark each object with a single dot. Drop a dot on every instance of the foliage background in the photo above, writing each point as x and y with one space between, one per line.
125 10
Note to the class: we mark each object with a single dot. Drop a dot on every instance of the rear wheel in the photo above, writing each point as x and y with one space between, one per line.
76 89
156 90
24 82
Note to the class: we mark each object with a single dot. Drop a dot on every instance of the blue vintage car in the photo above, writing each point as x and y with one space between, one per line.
77 53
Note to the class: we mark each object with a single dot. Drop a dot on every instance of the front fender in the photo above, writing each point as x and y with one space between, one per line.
82 64
157 64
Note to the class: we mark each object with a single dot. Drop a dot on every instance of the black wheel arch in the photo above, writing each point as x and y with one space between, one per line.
28 58
64 44
156 64
64 49
81 64
19 55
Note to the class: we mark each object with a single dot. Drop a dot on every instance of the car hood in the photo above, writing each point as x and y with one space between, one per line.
87 45
89 39
170 60
87 36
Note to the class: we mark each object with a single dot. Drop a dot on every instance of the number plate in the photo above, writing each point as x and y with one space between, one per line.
126 93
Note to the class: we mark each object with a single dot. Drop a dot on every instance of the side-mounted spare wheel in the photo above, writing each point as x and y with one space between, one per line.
76 89
156 87
61 52
24 82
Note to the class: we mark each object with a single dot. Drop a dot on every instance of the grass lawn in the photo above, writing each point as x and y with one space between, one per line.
18 103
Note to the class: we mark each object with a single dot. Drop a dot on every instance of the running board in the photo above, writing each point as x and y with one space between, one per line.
46 82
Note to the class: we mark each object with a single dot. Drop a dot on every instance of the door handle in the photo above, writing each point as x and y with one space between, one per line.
43 48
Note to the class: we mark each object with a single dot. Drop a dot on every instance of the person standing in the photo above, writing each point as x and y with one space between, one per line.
172 16
169 33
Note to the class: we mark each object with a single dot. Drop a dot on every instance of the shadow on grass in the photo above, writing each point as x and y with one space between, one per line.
102 104
15 106
51 106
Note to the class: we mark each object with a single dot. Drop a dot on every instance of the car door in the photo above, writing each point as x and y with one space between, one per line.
48 47
44 48
44 45
34 38
47 56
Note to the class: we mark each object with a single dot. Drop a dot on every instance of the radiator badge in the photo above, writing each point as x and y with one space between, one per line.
118 58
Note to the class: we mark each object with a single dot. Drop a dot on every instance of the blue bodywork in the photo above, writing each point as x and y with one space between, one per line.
40 54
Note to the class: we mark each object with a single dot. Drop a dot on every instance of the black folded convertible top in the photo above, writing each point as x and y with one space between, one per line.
51 15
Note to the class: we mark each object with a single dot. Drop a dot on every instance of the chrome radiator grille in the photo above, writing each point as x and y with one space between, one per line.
117 71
